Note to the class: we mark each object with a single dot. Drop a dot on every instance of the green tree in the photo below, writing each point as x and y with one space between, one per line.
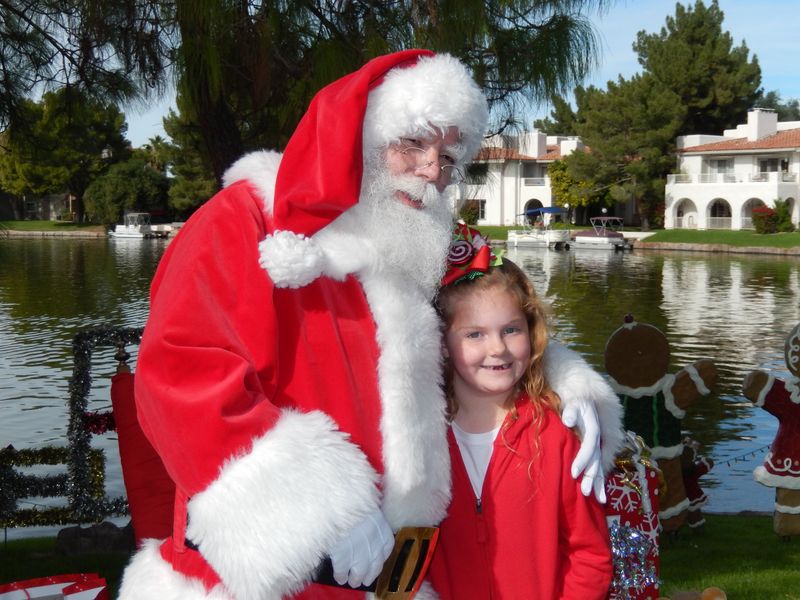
66 141
129 186
631 129
695 59
562 117
193 180
111 51
570 191
787 111
247 70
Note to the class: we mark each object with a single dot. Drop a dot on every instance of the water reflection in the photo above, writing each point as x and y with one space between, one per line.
735 309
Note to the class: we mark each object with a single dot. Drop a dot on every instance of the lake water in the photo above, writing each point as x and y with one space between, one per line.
735 309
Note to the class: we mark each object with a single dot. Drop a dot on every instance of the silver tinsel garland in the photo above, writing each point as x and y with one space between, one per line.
83 484
634 570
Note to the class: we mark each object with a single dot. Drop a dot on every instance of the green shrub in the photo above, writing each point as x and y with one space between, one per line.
783 215
469 212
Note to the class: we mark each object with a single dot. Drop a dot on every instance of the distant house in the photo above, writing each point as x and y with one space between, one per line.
723 177
51 207
509 175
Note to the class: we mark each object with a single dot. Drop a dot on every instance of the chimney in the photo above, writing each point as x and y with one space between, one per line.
761 122
533 143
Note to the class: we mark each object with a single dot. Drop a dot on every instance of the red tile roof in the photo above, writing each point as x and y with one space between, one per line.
788 139
495 153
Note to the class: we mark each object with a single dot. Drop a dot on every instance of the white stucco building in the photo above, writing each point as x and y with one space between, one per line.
723 177
512 175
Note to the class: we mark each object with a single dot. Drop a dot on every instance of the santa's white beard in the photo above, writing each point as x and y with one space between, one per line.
410 241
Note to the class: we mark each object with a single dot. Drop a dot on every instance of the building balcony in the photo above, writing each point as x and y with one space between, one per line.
731 178
535 181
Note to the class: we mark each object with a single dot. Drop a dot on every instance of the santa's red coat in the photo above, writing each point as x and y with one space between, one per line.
290 388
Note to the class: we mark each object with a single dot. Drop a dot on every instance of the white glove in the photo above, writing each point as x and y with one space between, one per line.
358 558
583 414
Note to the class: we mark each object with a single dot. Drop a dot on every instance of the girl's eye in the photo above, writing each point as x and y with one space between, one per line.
509 330
473 335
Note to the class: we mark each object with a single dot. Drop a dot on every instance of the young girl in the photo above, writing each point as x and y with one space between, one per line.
518 526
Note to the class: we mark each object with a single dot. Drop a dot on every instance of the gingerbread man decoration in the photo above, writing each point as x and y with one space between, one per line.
781 468
694 467
654 403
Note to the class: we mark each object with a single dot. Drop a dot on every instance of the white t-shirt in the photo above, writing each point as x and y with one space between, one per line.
476 450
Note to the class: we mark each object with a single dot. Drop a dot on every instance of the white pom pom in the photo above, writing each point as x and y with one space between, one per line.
292 260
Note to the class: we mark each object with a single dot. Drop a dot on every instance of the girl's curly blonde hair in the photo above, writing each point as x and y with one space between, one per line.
508 277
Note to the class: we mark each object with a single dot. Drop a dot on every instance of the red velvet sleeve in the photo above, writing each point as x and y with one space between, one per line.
202 388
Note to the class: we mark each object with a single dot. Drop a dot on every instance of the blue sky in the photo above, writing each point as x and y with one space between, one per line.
770 28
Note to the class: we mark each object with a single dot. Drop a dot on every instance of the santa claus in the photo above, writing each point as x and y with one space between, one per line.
289 374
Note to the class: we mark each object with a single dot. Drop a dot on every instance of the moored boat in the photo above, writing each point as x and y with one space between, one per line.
541 234
605 234
137 225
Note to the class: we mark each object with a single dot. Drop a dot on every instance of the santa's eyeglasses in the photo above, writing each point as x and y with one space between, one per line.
414 151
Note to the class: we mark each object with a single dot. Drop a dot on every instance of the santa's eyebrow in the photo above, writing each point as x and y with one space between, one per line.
456 150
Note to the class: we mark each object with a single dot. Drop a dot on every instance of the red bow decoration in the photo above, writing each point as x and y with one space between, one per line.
470 255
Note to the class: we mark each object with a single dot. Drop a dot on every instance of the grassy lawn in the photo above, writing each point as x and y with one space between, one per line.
731 238
738 554
49 226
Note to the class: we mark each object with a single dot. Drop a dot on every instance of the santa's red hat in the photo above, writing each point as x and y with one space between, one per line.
320 172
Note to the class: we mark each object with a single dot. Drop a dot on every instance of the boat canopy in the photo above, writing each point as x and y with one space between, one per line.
544 210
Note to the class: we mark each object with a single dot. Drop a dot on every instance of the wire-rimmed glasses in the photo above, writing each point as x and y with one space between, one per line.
451 174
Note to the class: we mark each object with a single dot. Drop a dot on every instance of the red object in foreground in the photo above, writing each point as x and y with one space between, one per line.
81 586
151 491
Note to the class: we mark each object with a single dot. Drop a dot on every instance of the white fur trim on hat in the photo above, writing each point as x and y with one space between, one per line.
292 260
437 91
260 169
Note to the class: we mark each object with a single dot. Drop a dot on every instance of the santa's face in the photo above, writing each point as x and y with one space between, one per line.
403 213
430 157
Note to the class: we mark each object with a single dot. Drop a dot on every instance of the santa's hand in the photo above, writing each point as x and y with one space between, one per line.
583 415
358 558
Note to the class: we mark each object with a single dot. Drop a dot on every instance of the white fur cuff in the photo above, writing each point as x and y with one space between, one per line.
292 260
273 514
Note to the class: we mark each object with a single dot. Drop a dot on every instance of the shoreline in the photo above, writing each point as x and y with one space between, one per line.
74 233
717 248
638 244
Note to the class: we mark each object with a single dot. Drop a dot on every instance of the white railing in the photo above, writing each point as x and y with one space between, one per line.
760 177
535 181
679 178
719 222
685 223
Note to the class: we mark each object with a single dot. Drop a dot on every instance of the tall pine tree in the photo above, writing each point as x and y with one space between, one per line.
695 58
